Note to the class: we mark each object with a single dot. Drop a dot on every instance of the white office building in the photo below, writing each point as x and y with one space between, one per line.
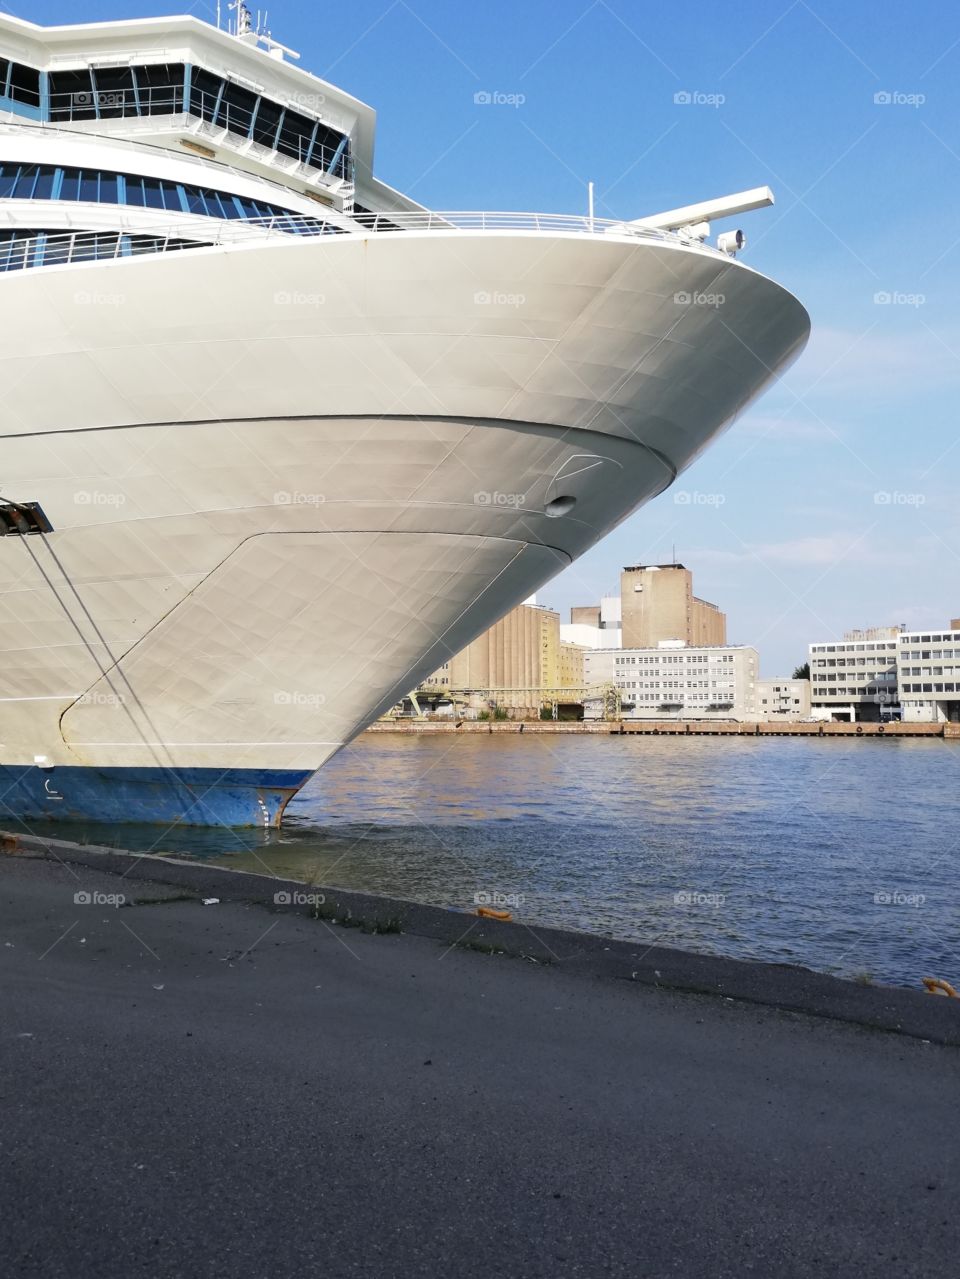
677 681
928 665
855 679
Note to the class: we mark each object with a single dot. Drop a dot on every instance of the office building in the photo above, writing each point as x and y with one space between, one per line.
678 681
783 699
928 667
855 679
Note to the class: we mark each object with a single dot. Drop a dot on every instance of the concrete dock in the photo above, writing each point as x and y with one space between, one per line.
238 1090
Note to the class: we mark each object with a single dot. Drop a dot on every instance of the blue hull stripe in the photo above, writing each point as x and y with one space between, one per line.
191 796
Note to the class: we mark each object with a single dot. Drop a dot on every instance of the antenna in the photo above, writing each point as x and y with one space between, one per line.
244 23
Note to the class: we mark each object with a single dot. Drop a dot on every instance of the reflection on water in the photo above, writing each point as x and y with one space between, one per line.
794 850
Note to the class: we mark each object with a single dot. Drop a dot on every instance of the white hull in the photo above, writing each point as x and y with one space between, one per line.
287 481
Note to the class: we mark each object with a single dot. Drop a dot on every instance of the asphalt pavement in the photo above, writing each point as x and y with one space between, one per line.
230 1090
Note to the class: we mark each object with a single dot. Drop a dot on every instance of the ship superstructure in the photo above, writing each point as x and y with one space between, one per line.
275 440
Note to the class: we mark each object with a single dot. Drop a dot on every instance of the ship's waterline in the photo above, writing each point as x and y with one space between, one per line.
786 850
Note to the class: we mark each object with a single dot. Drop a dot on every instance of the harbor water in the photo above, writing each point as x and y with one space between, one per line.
838 854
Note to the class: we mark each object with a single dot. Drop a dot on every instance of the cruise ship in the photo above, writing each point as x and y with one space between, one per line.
276 439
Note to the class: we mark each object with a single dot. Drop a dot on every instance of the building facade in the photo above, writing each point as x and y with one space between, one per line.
855 679
595 625
678 681
658 603
572 674
780 699
928 667
520 663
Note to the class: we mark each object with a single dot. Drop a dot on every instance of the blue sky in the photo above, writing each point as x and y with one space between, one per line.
832 503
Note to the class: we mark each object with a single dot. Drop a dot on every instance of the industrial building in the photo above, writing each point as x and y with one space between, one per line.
518 665
595 625
657 603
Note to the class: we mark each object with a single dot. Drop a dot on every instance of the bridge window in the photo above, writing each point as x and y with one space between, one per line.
115 94
72 95
205 90
296 134
19 82
237 109
267 123
160 88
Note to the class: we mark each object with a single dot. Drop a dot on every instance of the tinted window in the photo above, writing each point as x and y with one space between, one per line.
296 132
204 92
160 88
267 122
325 148
70 187
71 96
25 84
236 109
115 96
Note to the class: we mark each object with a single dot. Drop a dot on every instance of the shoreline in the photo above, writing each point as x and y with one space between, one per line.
790 988
667 727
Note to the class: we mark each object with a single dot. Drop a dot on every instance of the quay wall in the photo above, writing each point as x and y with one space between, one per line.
674 728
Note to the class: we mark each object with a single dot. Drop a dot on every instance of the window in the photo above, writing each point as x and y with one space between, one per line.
205 90
237 109
24 248
267 124
19 82
115 94
45 182
160 88
295 136
72 95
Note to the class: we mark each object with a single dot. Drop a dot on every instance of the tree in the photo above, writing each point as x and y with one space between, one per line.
802 672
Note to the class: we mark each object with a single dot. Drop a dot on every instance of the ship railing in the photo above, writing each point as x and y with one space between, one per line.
19 250
426 220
